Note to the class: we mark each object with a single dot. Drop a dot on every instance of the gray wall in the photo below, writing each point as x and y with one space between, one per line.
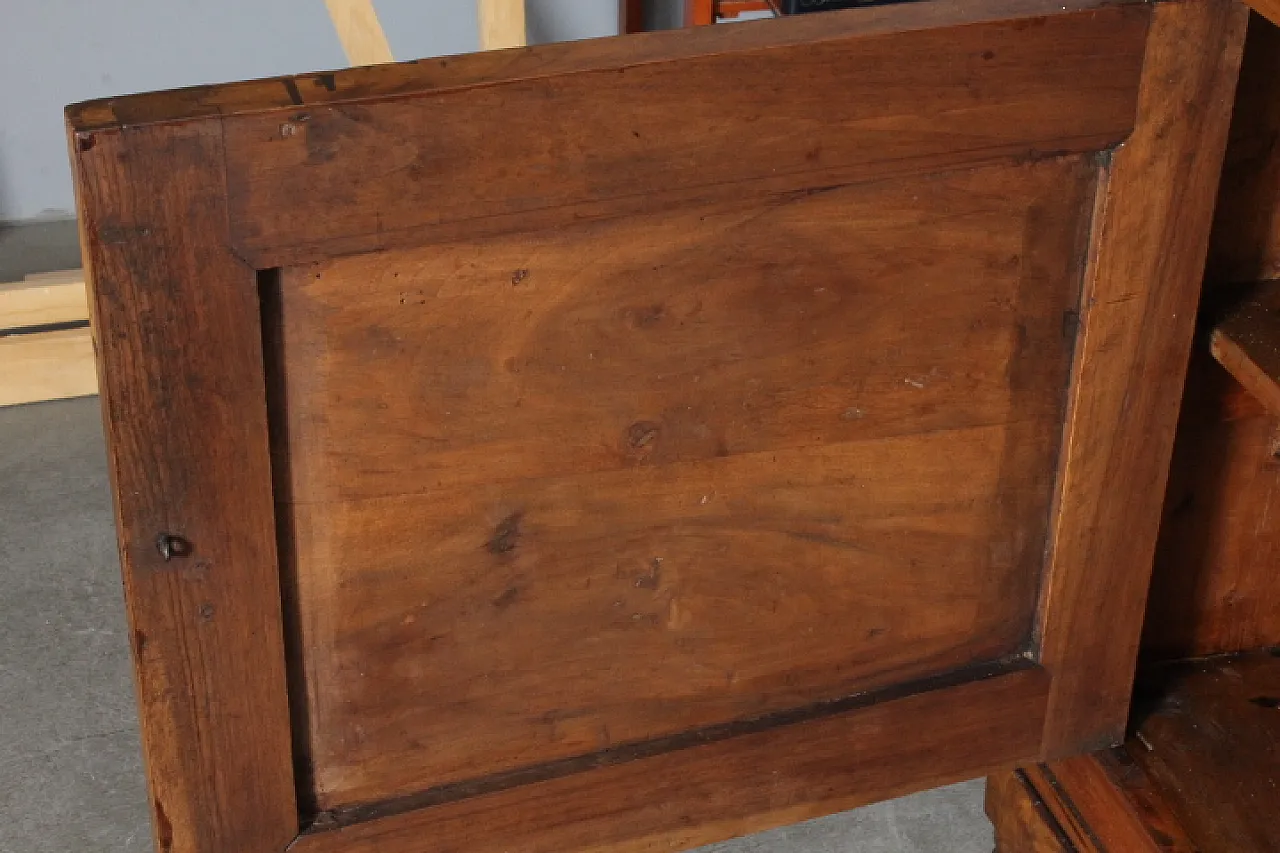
55 52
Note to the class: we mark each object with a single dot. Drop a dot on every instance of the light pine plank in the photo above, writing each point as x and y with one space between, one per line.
46 366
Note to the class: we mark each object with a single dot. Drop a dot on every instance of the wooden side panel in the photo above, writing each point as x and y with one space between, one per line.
1246 230
1140 301
744 784
499 158
175 319
1215 587
556 493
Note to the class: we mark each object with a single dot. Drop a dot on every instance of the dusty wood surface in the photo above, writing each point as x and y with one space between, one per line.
1147 261
689 797
668 508
563 332
1214 587
1247 343
1199 774
176 323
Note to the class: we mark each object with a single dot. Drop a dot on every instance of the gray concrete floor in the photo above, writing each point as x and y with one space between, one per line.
70 769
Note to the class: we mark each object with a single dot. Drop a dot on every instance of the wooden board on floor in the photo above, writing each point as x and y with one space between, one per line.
46 351
52 365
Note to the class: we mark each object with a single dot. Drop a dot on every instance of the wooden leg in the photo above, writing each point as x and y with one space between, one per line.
1022 822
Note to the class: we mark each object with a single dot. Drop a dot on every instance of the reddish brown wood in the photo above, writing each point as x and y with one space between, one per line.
1214 588
1211 742
1247 343
1140 300
175 318
424 76
1020 817
745 456
1102 802
948 188
1199 774
701 794
1246 233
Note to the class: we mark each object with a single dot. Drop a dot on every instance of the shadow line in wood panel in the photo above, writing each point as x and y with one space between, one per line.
350 815
271 306
763 544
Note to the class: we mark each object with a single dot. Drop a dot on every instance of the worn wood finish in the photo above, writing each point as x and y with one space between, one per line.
706 793
1210 741
424 76
1140 301
923 255
175 319
1020 817
1247 343
1200 773
554 448
1214 588
1102 802
1246 232
52 365
407 172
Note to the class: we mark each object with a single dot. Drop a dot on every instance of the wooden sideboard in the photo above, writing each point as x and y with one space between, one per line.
499 465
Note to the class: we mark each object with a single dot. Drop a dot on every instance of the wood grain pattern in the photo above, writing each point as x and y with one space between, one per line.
51 365
1214 589
1247 343
175 318
1020 817
1198 775
1210 741
737 461
1246 231
1101 802
437 74
408 171
858 351
745 784
44 299
1140 302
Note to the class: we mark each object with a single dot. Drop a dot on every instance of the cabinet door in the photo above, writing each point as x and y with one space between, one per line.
623 445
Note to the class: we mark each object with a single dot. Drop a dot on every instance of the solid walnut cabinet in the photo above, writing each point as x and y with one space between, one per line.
564 449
